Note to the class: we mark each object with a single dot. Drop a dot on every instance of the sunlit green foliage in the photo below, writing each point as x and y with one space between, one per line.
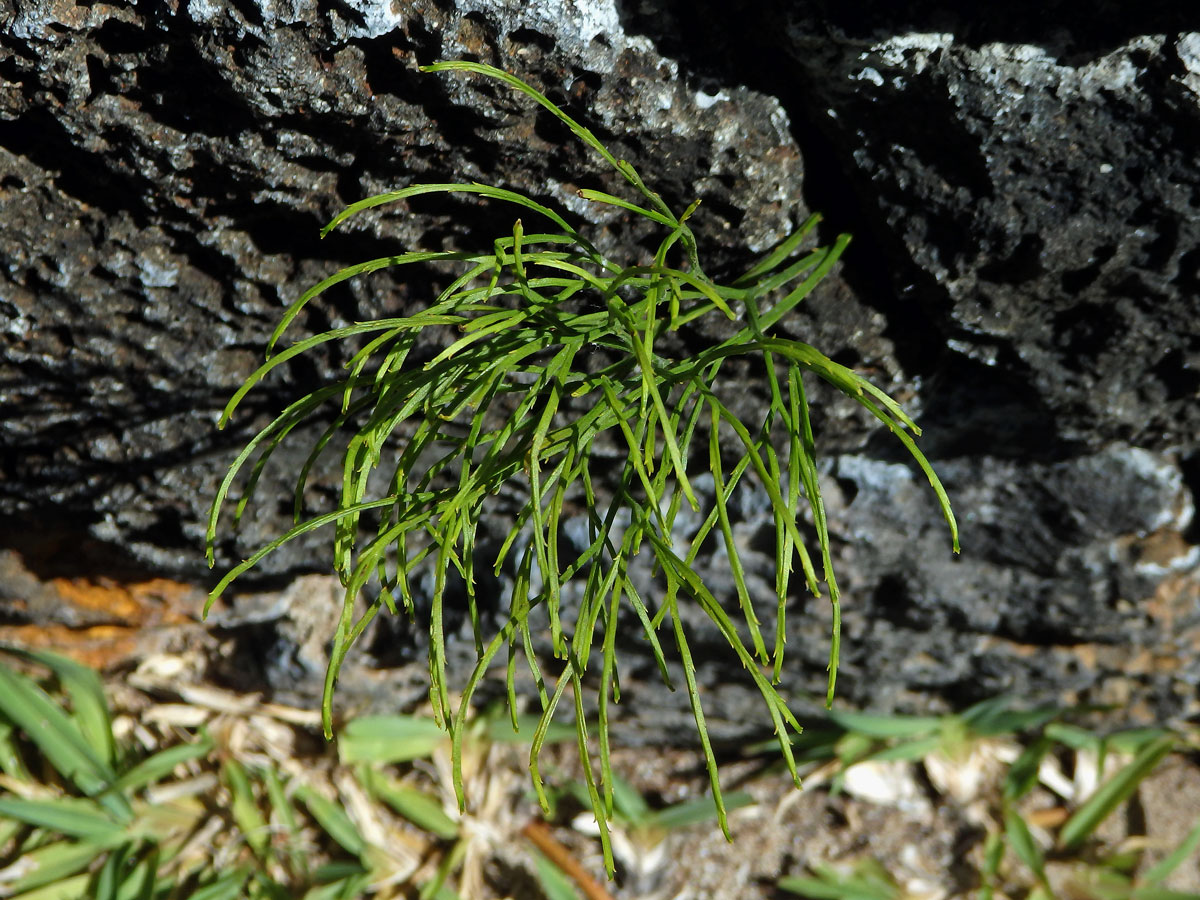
511 399
1016 853
85 813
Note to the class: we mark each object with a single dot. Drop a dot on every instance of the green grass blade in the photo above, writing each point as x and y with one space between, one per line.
332 819
282 816
910 751
1022 775
225 887
104 887
993 855
57 736
886 726
1164 868
69 816
244 807
71 888
1020 839
693 812
996 716
835 885
1113 793
162 764
630 805
55 863
554 884
417 806
88 703
1073 736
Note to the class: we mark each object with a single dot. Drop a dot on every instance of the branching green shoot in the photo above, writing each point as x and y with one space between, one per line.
512 400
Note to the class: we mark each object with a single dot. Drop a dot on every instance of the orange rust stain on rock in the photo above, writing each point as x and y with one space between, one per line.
475 39
1145 662
1162 548
112 600
100 647
1087 655
1174 598
157 601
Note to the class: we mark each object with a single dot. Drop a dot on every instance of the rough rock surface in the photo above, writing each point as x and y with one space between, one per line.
1024 277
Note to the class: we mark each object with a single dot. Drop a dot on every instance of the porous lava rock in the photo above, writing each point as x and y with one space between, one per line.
1021 186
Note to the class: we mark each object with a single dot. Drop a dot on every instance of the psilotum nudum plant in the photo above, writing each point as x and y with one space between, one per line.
515 398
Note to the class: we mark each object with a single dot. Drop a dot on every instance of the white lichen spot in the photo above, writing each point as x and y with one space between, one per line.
987 355
871 75
665 97
912 51
1117 71
704 101
876 476
781 124
581 21
19 326
203 11
1157 470
1188 50
157 275
378 16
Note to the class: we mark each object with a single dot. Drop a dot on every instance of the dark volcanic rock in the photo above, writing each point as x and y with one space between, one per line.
166 176
1024 278
1050 211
